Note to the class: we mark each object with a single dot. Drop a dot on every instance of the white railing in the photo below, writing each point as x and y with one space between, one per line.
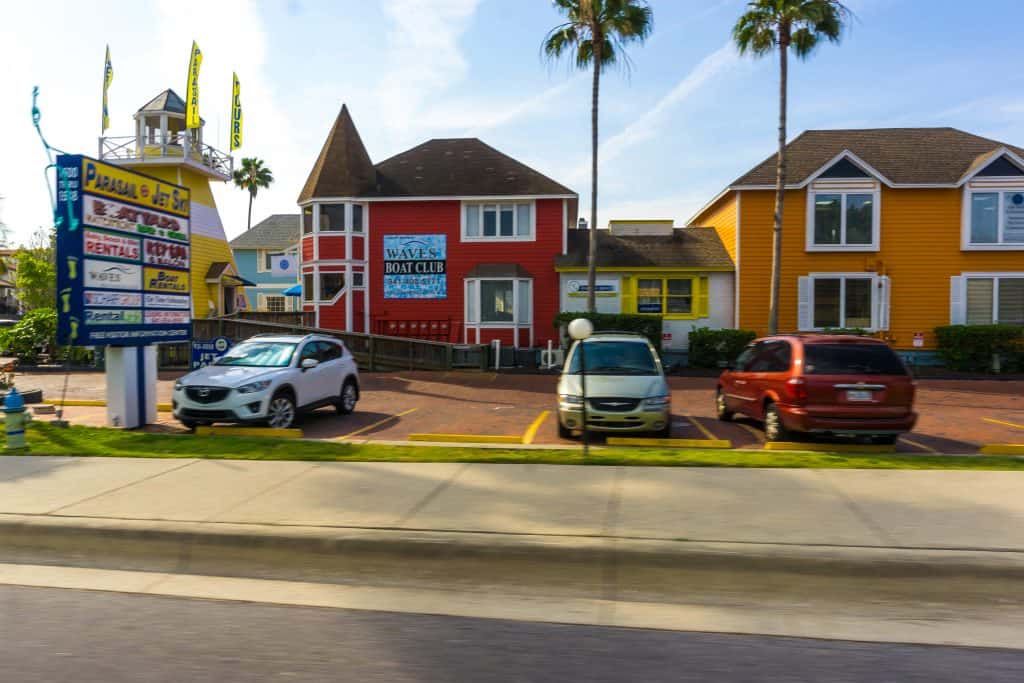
172 146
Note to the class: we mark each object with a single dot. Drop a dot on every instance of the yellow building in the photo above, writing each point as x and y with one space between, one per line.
162 147
895 231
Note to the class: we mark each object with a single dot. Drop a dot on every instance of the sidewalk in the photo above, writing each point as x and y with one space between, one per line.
842 509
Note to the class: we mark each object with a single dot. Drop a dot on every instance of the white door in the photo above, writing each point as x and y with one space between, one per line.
311 384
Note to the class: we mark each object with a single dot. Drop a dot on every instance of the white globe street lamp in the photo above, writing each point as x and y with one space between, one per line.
580 329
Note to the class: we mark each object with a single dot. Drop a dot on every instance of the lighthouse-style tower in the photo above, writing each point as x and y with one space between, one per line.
163 147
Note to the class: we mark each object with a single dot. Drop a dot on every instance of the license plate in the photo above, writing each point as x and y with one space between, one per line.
859 395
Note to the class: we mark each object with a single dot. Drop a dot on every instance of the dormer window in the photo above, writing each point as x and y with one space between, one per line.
843 209
994 207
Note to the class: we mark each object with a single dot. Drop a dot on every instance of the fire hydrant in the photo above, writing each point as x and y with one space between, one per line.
15 420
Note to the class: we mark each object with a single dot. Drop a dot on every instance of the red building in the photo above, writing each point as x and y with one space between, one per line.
451 240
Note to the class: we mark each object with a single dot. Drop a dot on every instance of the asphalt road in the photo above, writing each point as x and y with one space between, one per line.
66 635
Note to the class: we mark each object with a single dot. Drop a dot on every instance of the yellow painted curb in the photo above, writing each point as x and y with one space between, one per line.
531 431
1003 449
265 432
673 443
96 403
466 438
829 447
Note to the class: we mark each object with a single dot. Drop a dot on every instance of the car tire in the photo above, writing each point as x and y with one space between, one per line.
281 413
348 398
884 439
774 429
564 432
189 425
663 433
721 411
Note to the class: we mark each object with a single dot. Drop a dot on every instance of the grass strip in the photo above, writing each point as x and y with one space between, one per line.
46 439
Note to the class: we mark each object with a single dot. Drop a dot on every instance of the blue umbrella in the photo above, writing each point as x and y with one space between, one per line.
294 290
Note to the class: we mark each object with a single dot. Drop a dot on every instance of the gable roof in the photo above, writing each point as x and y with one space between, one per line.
442 167
168 100
278 231
684 248
904 156
343 168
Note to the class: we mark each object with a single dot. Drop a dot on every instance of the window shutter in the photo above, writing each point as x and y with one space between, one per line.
803 304
883 302
628 304
702 297
261 302
957 310
471 302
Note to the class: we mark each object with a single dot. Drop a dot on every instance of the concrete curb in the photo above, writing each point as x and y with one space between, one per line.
267 550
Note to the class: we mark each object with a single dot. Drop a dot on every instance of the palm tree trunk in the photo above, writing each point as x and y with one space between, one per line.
248 224
780 186
592 255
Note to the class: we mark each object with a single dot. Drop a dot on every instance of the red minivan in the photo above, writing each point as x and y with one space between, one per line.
820 384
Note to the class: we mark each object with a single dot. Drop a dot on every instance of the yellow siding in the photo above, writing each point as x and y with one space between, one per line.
722 217
920 251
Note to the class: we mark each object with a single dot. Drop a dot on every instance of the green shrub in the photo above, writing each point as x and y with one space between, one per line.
716 348
646 325
970 348
26 339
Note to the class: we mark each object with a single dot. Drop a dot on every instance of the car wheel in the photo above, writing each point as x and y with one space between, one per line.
281 411
347 400
774 430
721 410
885 439
564 432
663 433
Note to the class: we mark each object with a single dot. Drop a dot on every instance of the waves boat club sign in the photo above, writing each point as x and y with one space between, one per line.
415 267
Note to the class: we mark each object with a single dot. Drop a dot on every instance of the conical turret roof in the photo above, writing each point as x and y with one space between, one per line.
343 168
168 100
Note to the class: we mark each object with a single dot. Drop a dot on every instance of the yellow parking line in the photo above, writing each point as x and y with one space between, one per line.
1001 422
703 430
465 438
378 423
918 445
531 431
675 443
90 403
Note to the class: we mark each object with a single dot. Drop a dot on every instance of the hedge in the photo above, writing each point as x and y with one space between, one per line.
646 325
970 348
716 348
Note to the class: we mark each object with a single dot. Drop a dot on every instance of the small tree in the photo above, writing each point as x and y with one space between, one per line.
251 177
36 277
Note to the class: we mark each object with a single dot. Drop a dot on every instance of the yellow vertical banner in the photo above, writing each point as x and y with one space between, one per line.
108 78
236 113
192 92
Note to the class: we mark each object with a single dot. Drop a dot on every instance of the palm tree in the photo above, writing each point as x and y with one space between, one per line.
782 24
252 176
596 34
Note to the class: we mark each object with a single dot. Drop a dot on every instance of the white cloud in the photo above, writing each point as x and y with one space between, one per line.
649 124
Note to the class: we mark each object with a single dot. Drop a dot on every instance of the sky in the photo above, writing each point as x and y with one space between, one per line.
686 119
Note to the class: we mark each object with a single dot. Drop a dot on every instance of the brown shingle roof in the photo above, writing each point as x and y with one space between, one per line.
444 167
684 248
343 168
905 156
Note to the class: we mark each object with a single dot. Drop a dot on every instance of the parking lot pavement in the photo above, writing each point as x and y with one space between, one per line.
956 416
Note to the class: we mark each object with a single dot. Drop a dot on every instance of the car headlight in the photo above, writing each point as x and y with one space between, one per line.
253 387
178 386
657 402
571 399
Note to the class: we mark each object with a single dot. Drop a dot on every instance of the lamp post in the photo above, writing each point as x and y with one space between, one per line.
582 223
580 329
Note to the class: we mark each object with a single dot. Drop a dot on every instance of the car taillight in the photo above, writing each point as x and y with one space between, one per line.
796 389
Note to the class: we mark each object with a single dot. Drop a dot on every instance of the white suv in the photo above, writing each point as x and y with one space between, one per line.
269 378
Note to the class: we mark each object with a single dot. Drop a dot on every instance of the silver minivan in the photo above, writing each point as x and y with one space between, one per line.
626 387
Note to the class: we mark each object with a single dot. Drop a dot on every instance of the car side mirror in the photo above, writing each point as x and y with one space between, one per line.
308 363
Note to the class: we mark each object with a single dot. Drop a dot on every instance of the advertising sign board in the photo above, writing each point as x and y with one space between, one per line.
205 352
415 267
124 238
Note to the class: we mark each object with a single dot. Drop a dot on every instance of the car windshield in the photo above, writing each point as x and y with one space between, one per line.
615 358
259 354
851 359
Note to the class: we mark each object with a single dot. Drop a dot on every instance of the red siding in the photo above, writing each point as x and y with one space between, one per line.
443 217
307 249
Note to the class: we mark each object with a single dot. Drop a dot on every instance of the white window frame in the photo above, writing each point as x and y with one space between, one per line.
876 219
879 299
958 306
515 237
348 219
1017 187
261 261
341 292
264 303
473 318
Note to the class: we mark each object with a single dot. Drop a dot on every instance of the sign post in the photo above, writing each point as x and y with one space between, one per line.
123 275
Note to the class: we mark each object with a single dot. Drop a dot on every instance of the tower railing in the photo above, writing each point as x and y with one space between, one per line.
171 146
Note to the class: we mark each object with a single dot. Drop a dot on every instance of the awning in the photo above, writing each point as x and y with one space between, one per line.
294 290
239 281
